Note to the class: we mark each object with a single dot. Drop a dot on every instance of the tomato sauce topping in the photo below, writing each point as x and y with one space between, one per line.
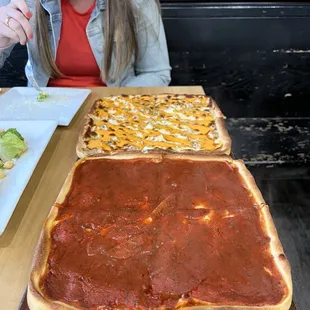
136 234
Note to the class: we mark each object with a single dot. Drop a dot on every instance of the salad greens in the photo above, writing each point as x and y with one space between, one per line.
42 95
14 131
12 145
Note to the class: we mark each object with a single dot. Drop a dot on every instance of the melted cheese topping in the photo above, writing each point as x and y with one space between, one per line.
144 123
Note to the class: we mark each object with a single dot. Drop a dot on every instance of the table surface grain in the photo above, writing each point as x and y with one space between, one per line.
21 235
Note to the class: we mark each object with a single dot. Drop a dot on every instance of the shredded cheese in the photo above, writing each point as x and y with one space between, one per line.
144 123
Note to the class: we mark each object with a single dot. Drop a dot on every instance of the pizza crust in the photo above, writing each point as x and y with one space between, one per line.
37 300
223 136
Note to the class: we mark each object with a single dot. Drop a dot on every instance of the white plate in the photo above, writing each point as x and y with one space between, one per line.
20 103
37 135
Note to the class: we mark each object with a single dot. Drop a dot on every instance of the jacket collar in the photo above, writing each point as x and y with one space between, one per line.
102 4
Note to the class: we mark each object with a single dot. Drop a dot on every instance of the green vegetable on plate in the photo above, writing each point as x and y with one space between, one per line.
12 145
42 95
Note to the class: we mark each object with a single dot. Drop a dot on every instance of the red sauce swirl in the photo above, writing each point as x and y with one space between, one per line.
137 234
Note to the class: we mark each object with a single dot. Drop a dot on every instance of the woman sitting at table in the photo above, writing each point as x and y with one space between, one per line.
84 43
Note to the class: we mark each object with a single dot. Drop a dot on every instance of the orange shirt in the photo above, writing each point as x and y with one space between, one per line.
75 59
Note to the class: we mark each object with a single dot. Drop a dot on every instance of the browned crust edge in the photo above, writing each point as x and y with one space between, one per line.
35 296
224 137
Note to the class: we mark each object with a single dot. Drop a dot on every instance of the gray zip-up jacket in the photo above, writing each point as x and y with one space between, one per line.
152 67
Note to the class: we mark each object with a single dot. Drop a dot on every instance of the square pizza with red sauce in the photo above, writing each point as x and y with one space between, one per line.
160 232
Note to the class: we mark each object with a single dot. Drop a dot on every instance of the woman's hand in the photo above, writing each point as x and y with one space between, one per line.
14 23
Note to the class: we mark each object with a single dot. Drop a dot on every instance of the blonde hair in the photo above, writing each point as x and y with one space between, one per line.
119 25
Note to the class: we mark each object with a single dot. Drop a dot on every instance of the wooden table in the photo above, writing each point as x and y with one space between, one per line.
21 235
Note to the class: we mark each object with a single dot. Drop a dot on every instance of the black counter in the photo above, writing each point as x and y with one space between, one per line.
286 190
271 141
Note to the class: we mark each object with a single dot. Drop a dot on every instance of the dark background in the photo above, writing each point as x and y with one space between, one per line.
253 58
